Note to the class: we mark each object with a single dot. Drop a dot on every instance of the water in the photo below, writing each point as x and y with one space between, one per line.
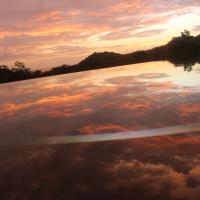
130 102
128 98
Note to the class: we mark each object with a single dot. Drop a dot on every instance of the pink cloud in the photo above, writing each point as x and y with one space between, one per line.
29 27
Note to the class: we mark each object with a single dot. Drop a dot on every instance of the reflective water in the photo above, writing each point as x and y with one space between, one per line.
134 97
129 98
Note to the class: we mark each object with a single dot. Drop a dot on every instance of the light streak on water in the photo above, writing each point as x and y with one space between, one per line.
71 139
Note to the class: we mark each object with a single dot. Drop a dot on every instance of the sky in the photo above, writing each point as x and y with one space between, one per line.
50 33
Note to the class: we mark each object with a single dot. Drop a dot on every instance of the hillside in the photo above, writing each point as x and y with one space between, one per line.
182 50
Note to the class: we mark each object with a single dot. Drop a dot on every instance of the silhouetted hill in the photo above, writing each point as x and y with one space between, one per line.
101 59
183 50
180 50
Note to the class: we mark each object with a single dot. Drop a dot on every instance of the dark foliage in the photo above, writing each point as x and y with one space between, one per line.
182 51
19 72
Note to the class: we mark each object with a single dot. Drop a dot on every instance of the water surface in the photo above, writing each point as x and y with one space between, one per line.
128 98
151 99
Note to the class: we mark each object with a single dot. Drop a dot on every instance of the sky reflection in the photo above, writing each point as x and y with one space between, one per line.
152 168
135 97
100 104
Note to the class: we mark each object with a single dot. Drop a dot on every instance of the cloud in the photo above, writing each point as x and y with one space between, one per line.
148 33
196 28
31 26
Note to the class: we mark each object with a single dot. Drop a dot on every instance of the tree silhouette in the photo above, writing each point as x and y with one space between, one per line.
18 72
185 33
188 67
20 67
183 51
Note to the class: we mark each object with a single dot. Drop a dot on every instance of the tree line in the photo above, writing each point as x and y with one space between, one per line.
183 50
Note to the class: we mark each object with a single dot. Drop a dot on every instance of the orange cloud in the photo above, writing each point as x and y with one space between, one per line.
104 128
34 30
42 104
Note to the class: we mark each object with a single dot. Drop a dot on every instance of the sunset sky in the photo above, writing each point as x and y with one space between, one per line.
50 33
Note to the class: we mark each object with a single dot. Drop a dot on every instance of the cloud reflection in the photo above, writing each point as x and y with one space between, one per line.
84 103
161 167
